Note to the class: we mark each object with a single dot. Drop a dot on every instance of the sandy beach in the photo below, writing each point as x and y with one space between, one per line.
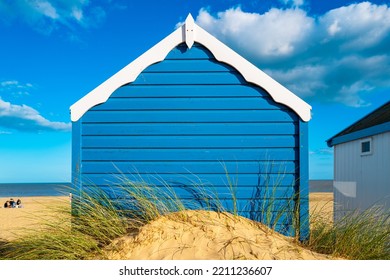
203 235
16 221
321 206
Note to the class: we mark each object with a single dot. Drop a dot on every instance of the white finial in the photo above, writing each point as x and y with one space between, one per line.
189 25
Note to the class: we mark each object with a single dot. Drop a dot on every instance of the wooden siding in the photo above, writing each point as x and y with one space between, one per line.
368 174
190 120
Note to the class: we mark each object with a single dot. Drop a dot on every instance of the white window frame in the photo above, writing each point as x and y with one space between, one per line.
369 140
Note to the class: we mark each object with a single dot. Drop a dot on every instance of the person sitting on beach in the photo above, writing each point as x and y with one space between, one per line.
7 204
12 202
19 204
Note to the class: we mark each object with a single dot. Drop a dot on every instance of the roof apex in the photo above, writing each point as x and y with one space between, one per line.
189 33
189 25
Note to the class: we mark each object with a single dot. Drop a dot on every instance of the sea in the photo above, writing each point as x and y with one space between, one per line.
15 190
59 189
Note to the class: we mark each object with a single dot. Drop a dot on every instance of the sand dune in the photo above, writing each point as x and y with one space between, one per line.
185 235
200 235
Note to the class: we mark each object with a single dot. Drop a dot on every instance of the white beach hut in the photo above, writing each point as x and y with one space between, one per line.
362 163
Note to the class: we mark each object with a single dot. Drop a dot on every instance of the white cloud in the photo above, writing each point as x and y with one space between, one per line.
294 3
338 56
358 26
25 118
48 15
46 9
15 88
77 14
271 35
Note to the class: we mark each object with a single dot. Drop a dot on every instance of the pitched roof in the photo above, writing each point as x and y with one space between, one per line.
378 118
189 33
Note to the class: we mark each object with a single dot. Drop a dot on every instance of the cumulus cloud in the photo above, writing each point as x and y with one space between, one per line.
338 56
294 3
47 15
25 118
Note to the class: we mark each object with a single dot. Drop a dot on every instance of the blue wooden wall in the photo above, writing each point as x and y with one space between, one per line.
187 120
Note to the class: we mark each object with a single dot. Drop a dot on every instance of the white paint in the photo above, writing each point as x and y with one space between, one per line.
190 33
346 188
189 27
371 172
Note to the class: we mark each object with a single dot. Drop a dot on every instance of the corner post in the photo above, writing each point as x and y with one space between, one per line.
76 164
303 182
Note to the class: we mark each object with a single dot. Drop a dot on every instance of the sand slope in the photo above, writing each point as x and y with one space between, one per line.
185 235
192 235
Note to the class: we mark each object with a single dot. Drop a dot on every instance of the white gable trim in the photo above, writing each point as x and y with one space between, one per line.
190 33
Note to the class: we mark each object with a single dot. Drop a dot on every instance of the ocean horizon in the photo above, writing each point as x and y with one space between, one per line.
12 190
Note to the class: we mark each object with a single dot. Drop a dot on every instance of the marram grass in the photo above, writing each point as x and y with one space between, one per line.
361 235
97 220
59 239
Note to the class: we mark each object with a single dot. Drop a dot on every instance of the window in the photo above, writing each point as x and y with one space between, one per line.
366 147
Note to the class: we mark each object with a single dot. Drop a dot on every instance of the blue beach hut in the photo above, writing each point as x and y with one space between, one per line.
189 110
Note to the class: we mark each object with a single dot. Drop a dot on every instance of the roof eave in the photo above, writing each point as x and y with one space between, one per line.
360 134
190 33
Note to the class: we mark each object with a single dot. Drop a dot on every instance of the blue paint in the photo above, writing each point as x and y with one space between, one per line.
220 155
196 167
303 181
197 52
194 179
182 91
76 154
186 122
190 116
212 141
185 192
145 129
187 103
374 130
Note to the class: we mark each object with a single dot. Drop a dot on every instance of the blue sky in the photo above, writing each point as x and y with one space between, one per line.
333 54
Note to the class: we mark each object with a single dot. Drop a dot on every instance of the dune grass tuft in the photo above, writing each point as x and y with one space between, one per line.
361 235
67 237
98 217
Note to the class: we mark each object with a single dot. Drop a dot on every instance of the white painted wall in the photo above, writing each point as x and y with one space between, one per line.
361 181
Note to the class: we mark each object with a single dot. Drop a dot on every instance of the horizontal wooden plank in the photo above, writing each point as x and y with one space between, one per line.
189 65
155 142
190 129
222 155
216 192
280 209
183 52
189 116
188 167
185 103
206 180
172 91
212 78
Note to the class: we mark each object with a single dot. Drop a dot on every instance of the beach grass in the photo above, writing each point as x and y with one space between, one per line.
67 237
360 235
100 217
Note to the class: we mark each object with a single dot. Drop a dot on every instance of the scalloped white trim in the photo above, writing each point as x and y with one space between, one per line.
190 33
